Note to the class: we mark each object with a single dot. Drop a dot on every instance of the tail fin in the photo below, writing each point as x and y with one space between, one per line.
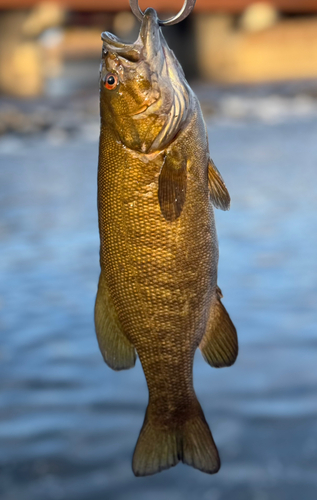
161 448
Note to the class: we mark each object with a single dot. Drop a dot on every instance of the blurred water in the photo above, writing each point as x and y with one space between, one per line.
68 423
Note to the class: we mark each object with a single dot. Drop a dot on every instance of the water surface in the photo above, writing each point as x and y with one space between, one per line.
68 424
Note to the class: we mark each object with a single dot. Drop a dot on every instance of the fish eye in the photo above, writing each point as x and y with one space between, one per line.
111 81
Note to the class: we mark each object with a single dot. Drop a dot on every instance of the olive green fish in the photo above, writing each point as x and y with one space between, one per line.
158 295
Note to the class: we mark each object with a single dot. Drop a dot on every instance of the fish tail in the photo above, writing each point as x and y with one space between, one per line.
160 448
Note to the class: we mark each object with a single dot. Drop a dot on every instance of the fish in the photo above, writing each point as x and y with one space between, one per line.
157 296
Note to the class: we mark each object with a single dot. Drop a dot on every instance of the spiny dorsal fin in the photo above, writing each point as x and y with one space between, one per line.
172 185
218 192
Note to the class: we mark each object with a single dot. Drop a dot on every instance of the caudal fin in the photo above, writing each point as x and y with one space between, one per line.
161 448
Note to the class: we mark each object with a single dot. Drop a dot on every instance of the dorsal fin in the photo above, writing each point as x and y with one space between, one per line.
218 192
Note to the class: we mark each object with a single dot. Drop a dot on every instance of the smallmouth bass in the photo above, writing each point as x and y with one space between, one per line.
157 295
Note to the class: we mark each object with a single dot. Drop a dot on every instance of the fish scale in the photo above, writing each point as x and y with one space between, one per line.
139 240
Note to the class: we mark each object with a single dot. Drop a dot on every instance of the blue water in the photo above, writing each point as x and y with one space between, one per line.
68 424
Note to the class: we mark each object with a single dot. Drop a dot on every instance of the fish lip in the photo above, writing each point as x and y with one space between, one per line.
130 51
150 35
148 43
111 39
149 23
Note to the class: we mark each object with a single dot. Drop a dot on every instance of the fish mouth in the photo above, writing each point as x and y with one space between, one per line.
151 36
111 43
147 46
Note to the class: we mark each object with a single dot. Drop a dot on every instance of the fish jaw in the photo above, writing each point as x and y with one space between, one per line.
152 100
152 40
148 46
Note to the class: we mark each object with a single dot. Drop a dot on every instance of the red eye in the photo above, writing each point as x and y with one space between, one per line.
111 81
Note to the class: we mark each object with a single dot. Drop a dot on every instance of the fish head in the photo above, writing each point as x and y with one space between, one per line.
144 96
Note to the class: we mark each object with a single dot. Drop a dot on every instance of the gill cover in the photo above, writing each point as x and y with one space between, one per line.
152 99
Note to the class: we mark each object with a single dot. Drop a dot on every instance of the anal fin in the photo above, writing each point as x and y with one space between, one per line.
219 345
116 349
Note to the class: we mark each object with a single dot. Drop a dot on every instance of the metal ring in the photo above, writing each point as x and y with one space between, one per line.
184 12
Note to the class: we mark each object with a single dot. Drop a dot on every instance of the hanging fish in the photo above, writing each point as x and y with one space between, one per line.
158 296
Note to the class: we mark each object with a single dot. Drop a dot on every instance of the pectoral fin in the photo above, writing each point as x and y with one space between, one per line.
172 185
218 192
116 349
219 345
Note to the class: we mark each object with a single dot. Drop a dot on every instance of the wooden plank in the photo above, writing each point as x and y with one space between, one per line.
233 6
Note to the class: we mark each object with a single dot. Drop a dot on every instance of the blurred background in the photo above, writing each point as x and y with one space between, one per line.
68 424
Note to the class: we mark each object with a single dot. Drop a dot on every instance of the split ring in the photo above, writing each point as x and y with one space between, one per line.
183 13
